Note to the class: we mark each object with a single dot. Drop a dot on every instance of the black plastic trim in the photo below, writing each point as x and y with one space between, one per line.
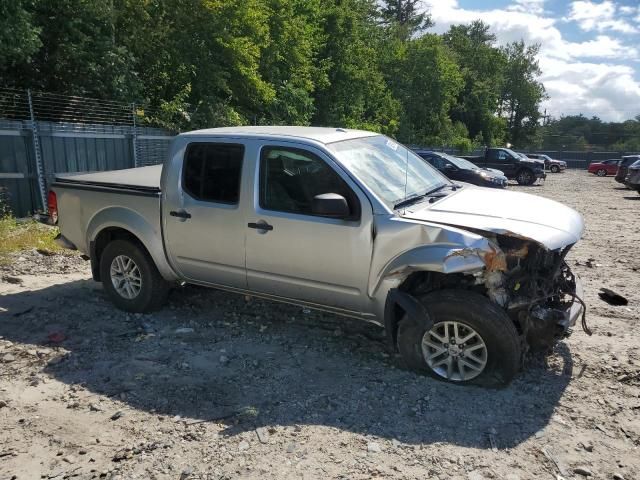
411 306
100 187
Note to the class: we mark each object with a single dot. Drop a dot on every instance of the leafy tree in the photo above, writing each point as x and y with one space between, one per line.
482 68
426 82
356 95
288 60
405 16
521 92
18 37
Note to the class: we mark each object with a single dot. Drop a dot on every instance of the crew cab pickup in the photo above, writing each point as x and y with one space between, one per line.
516 167
464 279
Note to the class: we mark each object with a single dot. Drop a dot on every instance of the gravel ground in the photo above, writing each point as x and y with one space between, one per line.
219 386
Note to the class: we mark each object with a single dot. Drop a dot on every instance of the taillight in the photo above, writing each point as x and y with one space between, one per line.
52 202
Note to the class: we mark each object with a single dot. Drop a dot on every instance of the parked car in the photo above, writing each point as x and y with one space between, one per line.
463 170
555 166
463 279
525 171
632 179
604 168
624 164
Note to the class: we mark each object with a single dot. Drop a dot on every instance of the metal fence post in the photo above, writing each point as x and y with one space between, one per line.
134 138
42 185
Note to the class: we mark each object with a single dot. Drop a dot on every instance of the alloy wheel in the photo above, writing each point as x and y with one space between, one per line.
126 277
455 351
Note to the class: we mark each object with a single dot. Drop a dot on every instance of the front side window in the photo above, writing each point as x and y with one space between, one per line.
212 172
290 178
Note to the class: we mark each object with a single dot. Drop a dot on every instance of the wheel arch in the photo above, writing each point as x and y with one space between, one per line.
123 223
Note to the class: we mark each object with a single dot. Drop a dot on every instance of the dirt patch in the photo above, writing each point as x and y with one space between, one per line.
221 386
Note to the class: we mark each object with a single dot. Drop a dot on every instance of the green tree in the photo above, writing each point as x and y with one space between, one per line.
18 38
288 60
426 81
356 95
521 93
482 68
404 15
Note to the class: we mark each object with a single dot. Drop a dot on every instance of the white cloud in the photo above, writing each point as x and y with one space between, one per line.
593 16
580 76
528 6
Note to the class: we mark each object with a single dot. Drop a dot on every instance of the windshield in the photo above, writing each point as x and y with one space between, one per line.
385 166
459 162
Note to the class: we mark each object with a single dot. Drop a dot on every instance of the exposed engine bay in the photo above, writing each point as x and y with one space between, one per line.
536 287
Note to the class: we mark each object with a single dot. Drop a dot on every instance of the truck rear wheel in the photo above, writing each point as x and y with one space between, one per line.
130 277
525 177
472 340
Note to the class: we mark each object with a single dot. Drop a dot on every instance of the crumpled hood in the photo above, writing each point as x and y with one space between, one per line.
549 223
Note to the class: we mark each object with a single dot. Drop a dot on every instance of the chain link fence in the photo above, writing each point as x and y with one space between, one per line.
43 134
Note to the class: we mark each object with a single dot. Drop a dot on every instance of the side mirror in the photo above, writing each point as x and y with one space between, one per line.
449 167
330 205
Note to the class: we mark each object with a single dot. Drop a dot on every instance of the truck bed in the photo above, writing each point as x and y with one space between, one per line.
142 178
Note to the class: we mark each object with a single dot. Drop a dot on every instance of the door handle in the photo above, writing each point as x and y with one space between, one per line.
180 214
260 226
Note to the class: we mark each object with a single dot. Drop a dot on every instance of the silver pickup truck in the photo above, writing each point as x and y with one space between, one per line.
464 279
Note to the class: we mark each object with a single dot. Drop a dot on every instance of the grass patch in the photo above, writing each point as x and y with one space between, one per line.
25 235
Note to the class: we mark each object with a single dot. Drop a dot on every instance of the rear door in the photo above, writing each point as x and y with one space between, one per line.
295 254
204 226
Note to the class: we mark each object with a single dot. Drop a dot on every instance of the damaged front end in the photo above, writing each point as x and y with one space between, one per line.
536 288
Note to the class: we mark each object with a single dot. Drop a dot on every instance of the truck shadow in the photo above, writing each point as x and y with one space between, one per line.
252 363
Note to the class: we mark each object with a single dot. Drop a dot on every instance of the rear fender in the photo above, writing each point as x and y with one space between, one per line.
131 221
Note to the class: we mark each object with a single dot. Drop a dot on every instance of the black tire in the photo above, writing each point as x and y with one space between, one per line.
601 173
153 290
525 177
503 351
555 168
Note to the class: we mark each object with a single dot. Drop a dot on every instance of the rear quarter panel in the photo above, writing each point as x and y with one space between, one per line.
85 212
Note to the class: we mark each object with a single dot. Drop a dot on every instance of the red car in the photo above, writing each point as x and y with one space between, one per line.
604 168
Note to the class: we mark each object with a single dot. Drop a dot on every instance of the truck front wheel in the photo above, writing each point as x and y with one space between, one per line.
525 177
472 340
130 277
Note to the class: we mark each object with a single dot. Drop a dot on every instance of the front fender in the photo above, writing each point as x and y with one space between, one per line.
127 219
449 258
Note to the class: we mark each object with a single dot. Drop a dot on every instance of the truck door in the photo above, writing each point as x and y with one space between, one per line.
501 160
293 253
204 227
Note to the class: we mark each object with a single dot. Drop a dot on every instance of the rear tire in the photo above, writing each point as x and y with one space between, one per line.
494 353
525 177
601 173
130 277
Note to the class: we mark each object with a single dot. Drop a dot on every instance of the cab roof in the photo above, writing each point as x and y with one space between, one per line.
318 134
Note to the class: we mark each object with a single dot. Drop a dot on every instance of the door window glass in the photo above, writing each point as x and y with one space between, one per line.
290 178
212 172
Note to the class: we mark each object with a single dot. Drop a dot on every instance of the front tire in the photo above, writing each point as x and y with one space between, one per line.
472 341
525 177
130 277
555 168
601 173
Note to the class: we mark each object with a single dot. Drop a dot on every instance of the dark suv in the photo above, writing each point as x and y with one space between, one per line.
624 165
463 170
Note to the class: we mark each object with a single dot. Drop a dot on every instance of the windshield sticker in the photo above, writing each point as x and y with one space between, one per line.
393 146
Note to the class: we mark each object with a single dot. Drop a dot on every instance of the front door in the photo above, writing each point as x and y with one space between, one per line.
501 160
294 253
204 225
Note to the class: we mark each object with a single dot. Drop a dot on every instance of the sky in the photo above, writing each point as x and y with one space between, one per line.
589 49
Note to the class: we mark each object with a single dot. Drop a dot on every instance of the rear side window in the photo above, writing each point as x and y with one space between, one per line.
212 172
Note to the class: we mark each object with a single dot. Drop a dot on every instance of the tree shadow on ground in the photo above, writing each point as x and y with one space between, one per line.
256 363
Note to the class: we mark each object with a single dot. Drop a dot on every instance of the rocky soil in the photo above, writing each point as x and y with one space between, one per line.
219 386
